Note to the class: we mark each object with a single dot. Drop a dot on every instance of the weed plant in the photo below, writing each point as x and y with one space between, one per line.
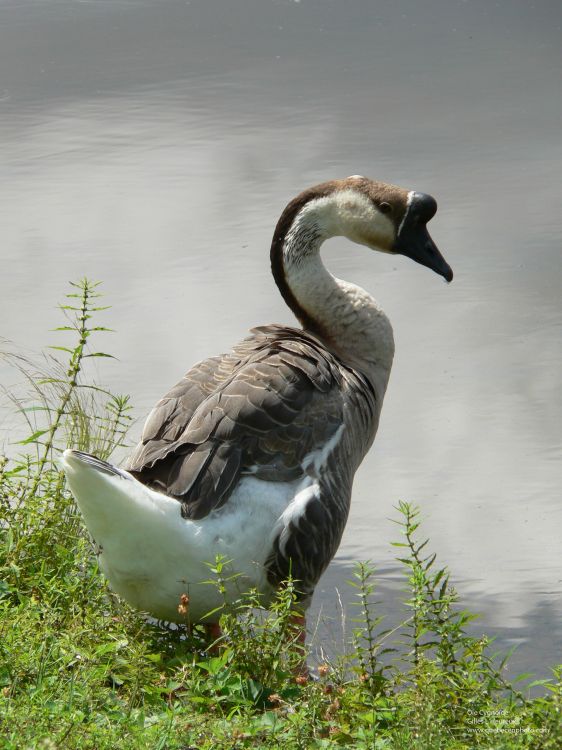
80 669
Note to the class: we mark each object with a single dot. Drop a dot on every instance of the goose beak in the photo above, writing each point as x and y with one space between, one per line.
413 239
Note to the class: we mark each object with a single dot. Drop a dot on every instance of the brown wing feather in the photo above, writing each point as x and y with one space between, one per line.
259 410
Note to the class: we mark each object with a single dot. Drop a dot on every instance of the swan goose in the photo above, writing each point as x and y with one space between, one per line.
252 454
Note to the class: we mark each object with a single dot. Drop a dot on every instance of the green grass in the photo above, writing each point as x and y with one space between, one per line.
80 669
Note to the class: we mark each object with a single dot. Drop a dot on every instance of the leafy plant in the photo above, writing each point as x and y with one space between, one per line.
63 409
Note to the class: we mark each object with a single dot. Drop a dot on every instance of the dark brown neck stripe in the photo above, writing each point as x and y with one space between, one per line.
277 260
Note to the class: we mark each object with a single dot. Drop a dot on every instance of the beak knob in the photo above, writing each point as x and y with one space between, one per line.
413 239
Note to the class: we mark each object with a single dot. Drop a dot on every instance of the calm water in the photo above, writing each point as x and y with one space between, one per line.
152 145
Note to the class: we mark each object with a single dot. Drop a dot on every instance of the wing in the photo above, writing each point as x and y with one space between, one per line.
260 410
309 531
169 418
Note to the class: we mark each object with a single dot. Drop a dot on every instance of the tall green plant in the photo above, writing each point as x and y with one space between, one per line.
437 630
64 408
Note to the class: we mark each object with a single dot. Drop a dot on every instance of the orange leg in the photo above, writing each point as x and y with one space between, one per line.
213 632
299 622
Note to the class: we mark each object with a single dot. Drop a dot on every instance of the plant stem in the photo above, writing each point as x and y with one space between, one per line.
73 372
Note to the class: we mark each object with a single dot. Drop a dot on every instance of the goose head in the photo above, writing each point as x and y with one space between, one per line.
391 219
383 217
343 315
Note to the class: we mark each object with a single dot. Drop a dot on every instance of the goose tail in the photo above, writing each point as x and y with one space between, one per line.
71 459
110 498
139 534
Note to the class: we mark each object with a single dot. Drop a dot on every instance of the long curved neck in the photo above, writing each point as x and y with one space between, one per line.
343 315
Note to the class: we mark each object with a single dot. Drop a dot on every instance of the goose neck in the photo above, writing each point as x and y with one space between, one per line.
344 316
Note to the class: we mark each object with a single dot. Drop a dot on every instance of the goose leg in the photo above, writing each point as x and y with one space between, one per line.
298 620
213 632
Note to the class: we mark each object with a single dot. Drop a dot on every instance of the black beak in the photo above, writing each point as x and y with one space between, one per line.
413 239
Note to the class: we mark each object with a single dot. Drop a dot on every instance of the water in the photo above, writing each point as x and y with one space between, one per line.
153 145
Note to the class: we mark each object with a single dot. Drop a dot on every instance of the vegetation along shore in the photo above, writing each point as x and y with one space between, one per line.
80 669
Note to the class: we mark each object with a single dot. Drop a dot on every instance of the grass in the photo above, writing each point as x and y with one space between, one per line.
80 669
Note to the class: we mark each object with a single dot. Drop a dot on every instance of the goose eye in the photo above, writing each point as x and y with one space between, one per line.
385 208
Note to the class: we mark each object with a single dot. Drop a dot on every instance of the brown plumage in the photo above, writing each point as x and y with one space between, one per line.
261 410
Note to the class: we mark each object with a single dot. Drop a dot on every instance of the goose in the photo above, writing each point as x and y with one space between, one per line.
251 456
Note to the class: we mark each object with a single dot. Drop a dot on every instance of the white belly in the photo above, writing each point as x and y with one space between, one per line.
159 563
151 555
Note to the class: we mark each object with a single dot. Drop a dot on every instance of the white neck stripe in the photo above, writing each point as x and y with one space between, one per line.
408 204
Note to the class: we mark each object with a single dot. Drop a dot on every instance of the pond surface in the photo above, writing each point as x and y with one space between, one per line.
152 146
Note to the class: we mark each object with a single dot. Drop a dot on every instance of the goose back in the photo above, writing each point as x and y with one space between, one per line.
278 397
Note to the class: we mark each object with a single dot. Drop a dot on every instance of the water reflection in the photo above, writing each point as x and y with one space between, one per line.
152 146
